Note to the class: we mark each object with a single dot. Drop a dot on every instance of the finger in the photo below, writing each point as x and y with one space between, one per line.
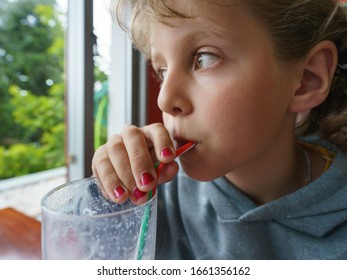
140 159
102 190
167 172
95 174
161 140
139 197
111 186
119 159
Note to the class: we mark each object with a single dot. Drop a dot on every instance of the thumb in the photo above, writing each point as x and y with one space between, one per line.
167 172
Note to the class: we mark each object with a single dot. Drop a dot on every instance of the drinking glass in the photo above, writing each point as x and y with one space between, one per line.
79 223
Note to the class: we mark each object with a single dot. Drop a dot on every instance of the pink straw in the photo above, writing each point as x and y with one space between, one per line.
181 150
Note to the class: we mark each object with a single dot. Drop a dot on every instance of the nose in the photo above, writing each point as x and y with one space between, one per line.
174 96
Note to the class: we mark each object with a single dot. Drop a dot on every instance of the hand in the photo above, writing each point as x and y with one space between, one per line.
125 164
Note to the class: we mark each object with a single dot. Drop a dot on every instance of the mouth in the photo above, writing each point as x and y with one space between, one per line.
183 145
179 142
185 148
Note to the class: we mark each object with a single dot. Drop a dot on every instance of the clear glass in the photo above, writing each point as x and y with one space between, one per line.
79 223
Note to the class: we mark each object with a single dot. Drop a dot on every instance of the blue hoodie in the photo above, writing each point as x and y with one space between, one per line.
214 220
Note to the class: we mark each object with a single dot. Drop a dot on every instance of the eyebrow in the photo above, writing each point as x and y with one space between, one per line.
212 34
217 33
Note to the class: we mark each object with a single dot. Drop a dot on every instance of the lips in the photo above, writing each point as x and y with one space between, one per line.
179 142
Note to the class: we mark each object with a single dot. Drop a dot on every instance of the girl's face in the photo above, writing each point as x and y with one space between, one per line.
222 88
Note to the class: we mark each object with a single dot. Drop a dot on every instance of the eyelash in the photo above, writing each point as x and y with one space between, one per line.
199 55
159 76
159 72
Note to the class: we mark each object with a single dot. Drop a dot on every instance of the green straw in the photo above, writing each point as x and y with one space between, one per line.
144 229
145 219
147 213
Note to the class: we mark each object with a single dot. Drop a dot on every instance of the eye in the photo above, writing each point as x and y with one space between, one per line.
161 74
205 60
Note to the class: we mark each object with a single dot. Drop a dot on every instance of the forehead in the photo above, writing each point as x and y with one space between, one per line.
189 6
228 22
164 11
150 13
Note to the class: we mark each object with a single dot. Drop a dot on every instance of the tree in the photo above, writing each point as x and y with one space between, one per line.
32 130
31 57
31 87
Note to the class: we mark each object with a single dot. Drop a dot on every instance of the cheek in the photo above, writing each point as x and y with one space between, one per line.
230 110
240 115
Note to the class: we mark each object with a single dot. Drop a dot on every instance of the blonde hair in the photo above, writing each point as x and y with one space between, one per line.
295 27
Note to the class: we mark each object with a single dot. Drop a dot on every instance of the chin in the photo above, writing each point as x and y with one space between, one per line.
200 174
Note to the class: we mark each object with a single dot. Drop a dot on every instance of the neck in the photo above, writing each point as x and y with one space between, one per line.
276 173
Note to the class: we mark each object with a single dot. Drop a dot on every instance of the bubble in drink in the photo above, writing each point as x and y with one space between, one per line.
79 223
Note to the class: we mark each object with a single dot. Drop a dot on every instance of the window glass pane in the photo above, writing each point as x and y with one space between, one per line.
32 109
102 30
31 86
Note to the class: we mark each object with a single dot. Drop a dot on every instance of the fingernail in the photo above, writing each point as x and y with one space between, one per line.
138 193
166 152
146 178
118 191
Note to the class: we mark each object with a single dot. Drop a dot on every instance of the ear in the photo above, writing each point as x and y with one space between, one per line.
315 77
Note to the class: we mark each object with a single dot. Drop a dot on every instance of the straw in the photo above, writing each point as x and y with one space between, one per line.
145 219
144 229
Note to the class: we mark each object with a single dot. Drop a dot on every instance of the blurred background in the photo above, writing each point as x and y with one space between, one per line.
69 77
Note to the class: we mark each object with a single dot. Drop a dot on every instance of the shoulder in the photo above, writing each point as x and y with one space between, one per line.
337 159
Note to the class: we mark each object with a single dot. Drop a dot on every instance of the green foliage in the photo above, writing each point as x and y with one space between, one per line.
20 159
100 107
31 87
38 113
100 115
31 53
54 146
43 117
32 108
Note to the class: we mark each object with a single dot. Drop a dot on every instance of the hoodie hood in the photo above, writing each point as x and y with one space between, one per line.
215 220
316 209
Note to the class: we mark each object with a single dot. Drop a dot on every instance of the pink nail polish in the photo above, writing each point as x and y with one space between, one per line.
146 178
118 191
138 193
166 152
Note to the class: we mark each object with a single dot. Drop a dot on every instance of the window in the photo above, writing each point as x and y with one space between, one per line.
97 51
32 86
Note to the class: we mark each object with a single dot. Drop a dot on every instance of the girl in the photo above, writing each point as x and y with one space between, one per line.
260 87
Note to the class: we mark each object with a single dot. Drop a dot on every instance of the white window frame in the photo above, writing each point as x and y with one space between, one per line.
79 88
128 84
127 87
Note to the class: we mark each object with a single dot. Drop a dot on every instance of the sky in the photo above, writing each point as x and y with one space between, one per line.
102 28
